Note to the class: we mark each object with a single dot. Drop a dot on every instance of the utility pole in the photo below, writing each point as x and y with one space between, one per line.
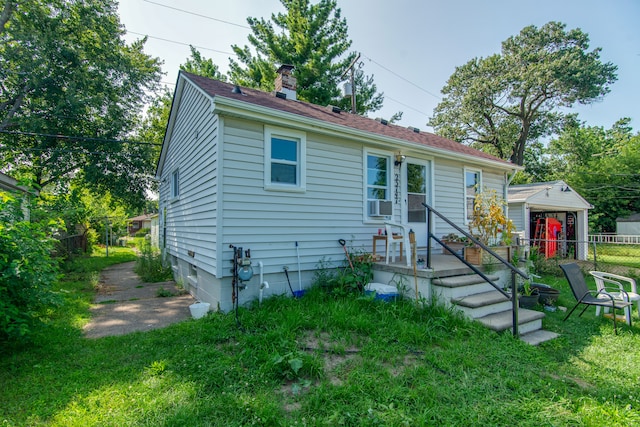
353 82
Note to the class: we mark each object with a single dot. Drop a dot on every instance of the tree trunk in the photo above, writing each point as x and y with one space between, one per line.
517 157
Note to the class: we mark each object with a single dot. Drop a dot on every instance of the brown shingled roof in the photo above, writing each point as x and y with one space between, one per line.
354 121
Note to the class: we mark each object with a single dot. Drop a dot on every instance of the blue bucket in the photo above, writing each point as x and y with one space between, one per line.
300 293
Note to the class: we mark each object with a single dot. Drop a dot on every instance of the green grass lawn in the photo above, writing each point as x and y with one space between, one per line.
320 360
619 255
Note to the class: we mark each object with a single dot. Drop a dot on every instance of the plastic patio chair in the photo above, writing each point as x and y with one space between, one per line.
603 277
583 295
393 240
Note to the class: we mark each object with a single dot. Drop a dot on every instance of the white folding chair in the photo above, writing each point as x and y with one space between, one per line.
396 234
603 278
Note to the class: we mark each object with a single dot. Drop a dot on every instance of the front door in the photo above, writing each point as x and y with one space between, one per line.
418 173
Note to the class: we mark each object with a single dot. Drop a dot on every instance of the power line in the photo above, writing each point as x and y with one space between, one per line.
181 43
77 138
405 105
402 78
198 14
72 151
244 26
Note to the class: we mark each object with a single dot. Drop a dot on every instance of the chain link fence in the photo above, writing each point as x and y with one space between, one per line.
619 256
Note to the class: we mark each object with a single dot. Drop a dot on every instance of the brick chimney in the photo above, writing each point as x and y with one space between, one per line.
285 82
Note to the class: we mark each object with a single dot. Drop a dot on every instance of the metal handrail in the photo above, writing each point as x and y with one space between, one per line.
514 270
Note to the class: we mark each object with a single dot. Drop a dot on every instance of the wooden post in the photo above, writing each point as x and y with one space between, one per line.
414 257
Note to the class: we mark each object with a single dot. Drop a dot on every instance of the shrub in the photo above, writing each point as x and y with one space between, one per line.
149 265
143 232
27 272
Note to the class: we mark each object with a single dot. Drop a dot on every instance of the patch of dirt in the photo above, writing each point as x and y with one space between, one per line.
580 383
125 304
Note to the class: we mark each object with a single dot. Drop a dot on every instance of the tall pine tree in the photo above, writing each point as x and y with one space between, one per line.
312 38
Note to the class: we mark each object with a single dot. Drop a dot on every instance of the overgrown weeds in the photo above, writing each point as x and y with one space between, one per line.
349 278
150 266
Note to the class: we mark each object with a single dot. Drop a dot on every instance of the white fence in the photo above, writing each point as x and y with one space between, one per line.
620 239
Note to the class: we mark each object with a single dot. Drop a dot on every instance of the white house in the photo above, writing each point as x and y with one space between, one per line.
138 223
628 226
531 204
287 179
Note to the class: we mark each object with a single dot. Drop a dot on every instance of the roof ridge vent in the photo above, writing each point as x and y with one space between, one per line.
416 130
281 95
334 109
383 121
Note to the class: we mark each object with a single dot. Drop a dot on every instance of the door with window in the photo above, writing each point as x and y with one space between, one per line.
417 192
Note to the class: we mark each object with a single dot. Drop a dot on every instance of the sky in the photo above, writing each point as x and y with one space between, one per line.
411 47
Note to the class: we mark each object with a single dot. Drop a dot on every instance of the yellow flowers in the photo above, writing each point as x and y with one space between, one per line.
489 220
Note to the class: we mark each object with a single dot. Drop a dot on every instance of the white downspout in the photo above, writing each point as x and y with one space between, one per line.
505 189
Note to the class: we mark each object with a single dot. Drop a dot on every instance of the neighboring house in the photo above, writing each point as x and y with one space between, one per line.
629 226
10 185
280 177
137 223
531 204
155 230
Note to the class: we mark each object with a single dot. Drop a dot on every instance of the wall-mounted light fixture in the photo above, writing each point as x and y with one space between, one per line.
399 159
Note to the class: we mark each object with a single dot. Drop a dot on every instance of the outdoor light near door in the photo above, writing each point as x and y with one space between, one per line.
399 158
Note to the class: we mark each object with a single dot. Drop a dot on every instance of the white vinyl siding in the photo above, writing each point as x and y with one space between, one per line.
517 215
192 153
270 222
449 192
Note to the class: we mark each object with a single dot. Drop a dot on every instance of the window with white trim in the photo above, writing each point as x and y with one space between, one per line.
285 154
472 186
175 184
378 179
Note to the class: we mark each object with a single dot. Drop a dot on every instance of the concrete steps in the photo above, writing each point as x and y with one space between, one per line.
480 301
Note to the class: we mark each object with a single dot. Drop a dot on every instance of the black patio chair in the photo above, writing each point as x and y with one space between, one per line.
591 298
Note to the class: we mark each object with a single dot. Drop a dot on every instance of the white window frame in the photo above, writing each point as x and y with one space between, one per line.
301 162
390 172
464 189
174 184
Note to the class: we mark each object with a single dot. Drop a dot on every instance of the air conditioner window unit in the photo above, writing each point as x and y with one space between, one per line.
380 208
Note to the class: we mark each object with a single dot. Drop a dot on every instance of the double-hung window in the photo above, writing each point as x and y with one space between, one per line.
472 186
175 184
285 153
378 182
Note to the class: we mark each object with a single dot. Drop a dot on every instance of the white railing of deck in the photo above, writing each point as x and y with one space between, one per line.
615 238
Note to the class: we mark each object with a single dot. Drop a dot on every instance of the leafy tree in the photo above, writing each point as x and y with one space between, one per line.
65 70
312 38
201 66
603 166
82 211
27 270
153 126
505 101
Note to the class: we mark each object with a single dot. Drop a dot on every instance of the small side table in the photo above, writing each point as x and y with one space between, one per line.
377 237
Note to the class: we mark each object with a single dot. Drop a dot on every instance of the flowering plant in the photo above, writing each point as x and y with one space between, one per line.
489 220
